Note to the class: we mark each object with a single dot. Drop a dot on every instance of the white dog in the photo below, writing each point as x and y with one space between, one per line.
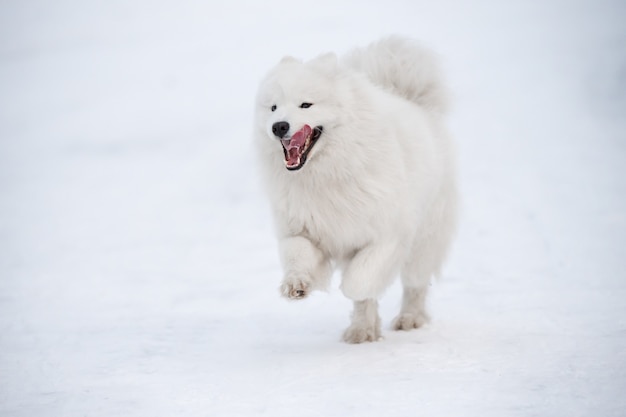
360 175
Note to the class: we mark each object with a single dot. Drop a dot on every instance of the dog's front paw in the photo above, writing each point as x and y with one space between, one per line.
295 288
359 334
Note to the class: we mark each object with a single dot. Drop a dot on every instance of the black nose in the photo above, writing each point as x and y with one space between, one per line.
280 129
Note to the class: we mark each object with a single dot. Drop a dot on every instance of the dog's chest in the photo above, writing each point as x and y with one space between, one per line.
333 218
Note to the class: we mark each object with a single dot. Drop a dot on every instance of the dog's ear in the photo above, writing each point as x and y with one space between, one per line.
328 62
289 59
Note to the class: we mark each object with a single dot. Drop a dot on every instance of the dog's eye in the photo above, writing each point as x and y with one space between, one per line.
305 105
273 108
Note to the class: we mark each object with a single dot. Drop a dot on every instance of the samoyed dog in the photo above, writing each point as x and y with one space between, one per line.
360 175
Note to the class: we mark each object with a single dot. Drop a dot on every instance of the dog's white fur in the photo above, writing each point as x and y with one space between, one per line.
377 195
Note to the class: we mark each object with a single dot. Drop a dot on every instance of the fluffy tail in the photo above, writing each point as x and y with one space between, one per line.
405 68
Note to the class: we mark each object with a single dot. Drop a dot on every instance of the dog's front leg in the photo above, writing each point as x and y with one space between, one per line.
306 267
365 277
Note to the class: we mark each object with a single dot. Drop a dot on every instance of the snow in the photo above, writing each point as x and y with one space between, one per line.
138 269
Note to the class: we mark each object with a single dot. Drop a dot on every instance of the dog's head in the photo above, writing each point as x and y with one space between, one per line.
297 106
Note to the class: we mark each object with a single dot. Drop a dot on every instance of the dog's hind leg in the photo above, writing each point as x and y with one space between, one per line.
413 313
424 263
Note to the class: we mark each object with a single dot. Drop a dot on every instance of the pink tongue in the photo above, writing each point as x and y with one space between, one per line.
295 145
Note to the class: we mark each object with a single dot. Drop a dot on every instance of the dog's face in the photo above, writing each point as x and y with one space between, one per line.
296 107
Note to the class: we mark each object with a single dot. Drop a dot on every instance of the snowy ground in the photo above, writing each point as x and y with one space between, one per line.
138 270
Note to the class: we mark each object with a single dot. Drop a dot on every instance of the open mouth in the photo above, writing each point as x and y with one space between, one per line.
298 146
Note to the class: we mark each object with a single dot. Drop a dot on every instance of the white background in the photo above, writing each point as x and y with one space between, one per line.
138 269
